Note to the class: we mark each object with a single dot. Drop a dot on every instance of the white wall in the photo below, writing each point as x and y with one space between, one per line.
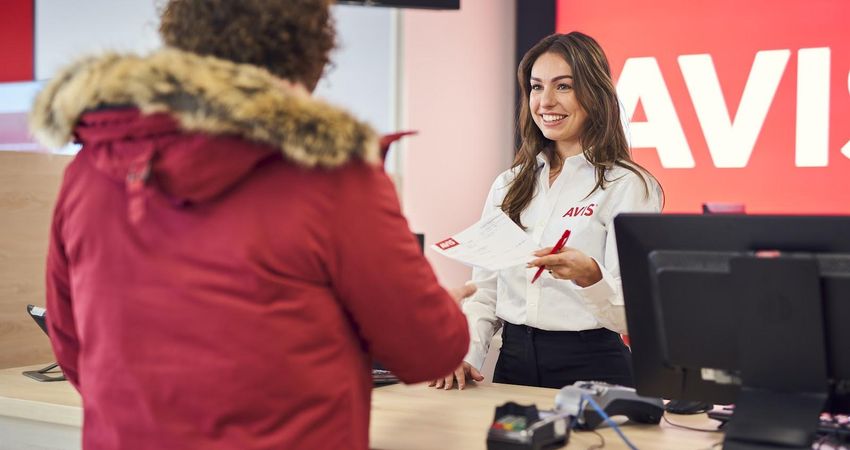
363 73
65 30
362 79
458 90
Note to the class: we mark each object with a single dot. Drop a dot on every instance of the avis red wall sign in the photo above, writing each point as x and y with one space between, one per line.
732 101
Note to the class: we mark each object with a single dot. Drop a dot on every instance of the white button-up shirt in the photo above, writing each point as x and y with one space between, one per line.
551 304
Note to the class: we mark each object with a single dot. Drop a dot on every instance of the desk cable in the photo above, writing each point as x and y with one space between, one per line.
589 400
573 422
601 443
686 427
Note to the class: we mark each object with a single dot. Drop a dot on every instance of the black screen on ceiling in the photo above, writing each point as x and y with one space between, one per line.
426 4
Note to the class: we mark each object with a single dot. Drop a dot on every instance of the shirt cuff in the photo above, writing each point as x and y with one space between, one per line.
603 290
475 356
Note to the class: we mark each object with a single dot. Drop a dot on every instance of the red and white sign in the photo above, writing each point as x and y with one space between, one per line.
732 101
16 40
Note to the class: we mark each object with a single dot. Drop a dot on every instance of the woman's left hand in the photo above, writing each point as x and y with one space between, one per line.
568 264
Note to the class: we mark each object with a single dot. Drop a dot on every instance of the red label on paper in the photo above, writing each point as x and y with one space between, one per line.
447 244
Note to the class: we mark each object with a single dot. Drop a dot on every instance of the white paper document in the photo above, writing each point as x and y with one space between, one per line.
493 243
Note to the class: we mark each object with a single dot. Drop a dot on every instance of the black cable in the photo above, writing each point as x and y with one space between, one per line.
601 443
608 420
704 430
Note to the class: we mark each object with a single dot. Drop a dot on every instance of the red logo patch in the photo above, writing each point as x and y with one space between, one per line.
447 244
577 211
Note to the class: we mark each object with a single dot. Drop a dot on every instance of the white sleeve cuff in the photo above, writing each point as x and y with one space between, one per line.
603 291
481 331
475 356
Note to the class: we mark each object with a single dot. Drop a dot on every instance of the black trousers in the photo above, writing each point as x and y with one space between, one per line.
554 359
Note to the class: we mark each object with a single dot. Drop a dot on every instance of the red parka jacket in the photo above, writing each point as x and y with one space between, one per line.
226 258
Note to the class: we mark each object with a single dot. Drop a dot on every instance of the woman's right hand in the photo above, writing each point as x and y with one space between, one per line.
461 374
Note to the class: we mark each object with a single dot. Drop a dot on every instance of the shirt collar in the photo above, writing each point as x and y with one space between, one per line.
574 160
541 161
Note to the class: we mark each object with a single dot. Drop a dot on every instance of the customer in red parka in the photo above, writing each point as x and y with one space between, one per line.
227 255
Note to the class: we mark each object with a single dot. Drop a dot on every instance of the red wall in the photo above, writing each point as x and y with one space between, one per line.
16 40
810 102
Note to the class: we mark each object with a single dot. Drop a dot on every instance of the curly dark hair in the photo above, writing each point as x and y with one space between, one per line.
290 38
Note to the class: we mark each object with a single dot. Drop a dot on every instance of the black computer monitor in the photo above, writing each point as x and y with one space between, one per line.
753 310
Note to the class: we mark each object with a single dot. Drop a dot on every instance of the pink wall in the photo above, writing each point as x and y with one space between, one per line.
457 90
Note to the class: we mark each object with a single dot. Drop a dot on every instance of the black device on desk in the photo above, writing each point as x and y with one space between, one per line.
687 407
39 315
614 401
751 310
382 377
828 425
520 427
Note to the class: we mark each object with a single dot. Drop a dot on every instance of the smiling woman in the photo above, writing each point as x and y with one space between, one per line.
573 172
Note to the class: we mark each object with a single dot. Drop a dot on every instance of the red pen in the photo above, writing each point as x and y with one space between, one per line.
558 246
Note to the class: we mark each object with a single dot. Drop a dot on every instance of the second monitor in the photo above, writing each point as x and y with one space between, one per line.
745 309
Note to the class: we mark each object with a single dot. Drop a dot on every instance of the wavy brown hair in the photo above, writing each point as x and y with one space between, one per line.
603 140
290 38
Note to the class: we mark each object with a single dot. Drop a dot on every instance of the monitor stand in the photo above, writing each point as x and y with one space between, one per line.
784 384
42 374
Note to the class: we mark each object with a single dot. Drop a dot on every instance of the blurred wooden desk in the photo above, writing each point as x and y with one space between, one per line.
48 415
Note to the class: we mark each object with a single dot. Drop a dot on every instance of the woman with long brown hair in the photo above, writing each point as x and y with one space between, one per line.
573 172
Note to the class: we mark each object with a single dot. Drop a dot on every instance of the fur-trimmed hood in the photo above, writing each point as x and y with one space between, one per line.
206 95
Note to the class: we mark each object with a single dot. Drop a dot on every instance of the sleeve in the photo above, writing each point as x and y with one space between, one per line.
61 324
406 319
604 299
480 308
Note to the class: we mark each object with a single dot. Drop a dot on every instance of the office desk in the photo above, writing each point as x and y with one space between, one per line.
38 415
48 415
418 417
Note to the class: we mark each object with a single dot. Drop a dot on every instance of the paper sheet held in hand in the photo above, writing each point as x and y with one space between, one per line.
493 243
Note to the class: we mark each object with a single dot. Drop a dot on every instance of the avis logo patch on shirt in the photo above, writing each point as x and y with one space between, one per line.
577 211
